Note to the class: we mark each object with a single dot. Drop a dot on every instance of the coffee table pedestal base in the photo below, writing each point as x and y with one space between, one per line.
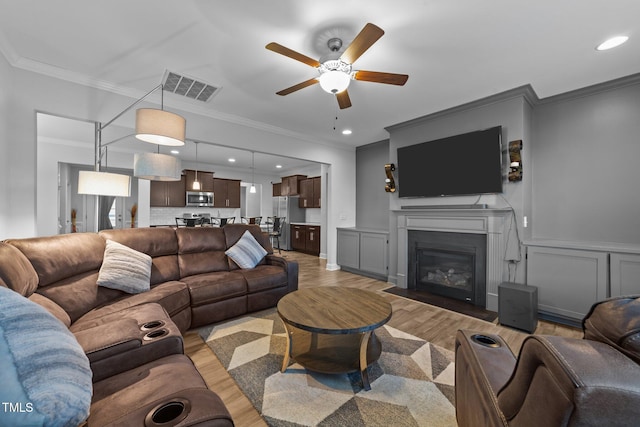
332 353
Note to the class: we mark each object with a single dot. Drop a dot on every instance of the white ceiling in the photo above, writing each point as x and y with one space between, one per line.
454 52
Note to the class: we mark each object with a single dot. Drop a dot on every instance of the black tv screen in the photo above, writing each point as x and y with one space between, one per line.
465 164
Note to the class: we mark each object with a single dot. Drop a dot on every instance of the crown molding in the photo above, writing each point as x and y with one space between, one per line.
618 83
525 92
7 50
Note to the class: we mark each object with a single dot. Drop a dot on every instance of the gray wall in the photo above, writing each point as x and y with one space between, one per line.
372 202
581 149
511 110
586 179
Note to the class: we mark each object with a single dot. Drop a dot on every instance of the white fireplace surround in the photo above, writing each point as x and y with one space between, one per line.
493 222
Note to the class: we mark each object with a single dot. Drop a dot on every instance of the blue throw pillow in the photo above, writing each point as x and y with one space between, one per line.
45 376
247 252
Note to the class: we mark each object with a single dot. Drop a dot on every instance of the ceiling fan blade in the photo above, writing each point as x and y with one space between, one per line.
299 86
278 48
343 99
378 77
363 41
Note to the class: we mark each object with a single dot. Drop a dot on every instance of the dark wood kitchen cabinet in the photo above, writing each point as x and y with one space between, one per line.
290 185
310 189
205 179
226 193
312 244
298 237
305 238
276 189
168 193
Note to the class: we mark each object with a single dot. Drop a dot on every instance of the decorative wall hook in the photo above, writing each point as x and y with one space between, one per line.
390 184
515 160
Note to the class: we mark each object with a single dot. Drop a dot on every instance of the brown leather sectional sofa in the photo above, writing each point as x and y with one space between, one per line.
134 341
555 381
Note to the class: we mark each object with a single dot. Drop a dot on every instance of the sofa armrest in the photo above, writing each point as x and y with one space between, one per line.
124 344
291 267
484 363
106 340
569 381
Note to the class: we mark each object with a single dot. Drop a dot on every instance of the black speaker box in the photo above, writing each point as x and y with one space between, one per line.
518 306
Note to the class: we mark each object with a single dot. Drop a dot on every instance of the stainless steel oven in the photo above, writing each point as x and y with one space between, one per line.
199 198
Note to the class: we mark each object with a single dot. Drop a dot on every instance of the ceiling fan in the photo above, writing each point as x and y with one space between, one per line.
336 70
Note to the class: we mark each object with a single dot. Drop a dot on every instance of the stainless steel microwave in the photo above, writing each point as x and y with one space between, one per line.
199 198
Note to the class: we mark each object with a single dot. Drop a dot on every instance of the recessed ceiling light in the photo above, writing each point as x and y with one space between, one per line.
232 160
175 152
612 42
278 166
347 132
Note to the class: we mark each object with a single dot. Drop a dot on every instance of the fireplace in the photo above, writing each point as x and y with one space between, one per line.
448 264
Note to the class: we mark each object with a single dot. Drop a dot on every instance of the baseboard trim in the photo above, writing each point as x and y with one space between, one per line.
333 267
557 318
366 274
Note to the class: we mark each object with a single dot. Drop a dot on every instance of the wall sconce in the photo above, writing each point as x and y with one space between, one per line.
515 160
390 184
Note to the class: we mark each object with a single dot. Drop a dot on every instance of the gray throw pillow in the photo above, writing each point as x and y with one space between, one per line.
247 252
125 269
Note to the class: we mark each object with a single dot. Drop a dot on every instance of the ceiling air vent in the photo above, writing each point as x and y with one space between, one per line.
188 86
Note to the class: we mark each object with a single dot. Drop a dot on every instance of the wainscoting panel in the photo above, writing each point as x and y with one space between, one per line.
569 281
625 274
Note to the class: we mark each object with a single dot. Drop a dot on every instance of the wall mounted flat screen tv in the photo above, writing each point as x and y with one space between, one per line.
465 164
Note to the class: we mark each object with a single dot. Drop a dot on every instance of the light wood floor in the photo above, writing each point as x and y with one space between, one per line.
430 323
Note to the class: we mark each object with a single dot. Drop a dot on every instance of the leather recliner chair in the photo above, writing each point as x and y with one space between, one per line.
554 381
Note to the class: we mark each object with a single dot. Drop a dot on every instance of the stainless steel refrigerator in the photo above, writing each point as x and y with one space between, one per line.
287 207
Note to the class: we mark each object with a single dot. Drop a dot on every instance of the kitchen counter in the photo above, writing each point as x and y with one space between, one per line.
313 224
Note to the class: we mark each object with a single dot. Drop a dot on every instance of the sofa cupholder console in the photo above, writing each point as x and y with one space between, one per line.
130 341
168 414
149 326
485 341
155 334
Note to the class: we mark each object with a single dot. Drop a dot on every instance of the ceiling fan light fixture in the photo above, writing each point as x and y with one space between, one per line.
335 75
334 81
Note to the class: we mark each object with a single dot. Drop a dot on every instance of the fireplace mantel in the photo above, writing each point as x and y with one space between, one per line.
490 221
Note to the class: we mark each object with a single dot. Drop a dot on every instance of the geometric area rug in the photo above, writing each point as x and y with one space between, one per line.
412 383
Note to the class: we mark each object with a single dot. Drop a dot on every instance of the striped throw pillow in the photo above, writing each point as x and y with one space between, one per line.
125 269
247 252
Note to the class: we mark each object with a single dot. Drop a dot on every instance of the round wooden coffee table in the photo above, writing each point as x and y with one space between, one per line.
331 329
